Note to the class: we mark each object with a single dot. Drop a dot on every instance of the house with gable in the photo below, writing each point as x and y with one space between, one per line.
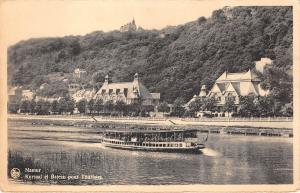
235 85
128 92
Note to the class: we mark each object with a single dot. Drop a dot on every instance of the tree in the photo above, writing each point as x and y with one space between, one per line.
208 104
98 106
32 105
229 105
42 107
247 106
120 107
201 20
287 110
219 16
62 106
70 105
91 105
265 106
98 77
54 106
13 107
279 83
178 109
163 107
81 106
109 106
134 109
24 106
145 109
195 106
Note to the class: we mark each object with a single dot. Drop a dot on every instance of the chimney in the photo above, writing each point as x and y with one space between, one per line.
203 91
136 76
107 79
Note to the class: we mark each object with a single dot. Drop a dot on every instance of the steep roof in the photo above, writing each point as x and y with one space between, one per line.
134 89
143 91
250 75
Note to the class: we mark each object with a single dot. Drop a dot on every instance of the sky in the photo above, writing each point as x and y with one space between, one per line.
24 19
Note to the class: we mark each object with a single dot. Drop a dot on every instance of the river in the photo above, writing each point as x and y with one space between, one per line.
227 159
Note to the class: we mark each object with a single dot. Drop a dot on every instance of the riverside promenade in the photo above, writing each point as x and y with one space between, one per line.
284 123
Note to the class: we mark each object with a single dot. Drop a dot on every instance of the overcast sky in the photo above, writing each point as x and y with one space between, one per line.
42 18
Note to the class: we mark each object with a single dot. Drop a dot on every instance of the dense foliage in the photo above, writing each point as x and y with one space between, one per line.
174 61
66 105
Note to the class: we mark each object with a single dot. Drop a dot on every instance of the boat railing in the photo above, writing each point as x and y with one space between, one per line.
149 139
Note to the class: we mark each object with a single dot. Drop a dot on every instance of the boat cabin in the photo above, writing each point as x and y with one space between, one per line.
152 135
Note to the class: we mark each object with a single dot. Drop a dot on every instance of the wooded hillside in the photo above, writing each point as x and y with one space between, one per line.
174 61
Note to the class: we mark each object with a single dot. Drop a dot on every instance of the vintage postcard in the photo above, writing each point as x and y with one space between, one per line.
149 96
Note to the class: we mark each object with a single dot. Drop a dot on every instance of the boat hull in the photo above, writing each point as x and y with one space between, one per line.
196 149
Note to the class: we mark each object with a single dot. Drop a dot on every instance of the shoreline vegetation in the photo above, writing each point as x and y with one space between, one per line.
263 127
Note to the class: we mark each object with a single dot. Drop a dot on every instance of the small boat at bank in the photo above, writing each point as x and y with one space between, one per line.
154 140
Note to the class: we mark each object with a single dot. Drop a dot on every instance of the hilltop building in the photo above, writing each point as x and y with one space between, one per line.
128 92
129 27
79 73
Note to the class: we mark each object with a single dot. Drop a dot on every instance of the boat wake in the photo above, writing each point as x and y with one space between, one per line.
210 152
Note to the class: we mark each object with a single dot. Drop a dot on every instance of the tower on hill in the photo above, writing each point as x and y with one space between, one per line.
131 26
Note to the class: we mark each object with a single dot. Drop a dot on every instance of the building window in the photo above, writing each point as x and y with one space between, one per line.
117 91
103 91
125 91
110 91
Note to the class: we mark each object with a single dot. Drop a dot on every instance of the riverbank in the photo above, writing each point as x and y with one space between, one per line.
218 127
285 123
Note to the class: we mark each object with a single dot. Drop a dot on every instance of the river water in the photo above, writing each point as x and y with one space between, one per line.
227 159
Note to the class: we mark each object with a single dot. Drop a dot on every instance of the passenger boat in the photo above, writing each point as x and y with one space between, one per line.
154 140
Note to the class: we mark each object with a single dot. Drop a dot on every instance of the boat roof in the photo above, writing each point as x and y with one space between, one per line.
149 131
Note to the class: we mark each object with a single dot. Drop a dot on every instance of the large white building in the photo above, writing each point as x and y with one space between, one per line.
233 85
236 85
128 92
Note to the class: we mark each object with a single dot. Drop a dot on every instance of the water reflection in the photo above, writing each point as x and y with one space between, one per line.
226 160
